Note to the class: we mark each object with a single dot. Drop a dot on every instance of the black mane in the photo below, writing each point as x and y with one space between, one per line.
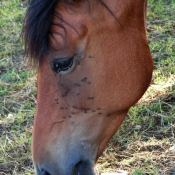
36 28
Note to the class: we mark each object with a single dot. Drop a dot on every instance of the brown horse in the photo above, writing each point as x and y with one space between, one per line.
94 63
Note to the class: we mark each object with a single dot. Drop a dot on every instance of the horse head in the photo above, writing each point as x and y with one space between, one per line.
94 63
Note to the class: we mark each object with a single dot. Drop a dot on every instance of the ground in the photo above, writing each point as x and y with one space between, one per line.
145 143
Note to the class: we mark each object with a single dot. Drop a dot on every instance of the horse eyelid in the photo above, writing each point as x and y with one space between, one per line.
62 65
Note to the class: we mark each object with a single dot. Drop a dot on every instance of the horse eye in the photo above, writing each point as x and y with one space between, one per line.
62 65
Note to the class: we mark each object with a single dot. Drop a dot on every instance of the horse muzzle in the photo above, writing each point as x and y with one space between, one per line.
82 167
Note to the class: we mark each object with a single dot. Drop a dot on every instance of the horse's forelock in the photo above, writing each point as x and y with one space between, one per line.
37 27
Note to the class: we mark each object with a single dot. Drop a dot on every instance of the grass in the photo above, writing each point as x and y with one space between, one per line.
143 145
17 93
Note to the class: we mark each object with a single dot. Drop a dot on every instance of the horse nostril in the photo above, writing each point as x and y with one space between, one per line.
84 168
79 167
43 172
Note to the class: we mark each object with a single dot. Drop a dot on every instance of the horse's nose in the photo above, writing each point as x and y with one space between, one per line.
83 167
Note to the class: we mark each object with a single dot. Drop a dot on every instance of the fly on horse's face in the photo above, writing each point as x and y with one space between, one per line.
94 64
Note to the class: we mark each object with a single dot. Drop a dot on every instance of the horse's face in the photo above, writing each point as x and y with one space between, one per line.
99 65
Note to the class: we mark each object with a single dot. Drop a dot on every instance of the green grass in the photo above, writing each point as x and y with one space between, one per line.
17 93
142 145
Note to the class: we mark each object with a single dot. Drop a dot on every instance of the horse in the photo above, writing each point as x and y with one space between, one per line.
93 63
